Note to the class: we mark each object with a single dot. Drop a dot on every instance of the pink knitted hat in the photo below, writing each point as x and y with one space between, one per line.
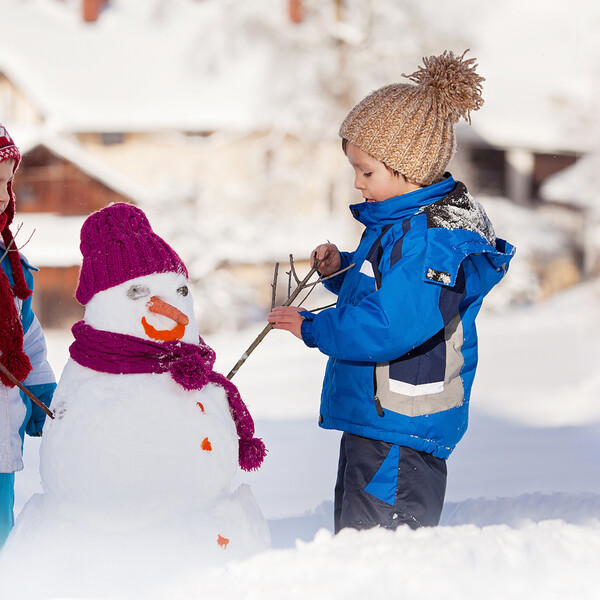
118 244
8 150
11 329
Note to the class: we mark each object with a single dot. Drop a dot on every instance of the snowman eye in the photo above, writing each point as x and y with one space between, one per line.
135 292
183 290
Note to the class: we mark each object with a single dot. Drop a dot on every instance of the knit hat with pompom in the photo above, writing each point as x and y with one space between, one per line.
118 244
410 127
11 330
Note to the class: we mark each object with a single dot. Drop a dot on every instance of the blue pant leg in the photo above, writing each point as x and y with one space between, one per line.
387 485
360 459
421 488
7 503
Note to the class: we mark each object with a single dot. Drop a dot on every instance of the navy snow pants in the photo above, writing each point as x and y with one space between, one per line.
387 485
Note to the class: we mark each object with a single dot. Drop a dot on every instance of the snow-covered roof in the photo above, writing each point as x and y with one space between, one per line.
127 72
222 64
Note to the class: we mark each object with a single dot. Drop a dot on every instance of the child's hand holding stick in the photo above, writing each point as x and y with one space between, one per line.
326 260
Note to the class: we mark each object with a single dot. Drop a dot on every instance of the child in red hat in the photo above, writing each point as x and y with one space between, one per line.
22 344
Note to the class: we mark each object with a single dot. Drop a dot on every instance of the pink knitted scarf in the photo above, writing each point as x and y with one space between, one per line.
190 365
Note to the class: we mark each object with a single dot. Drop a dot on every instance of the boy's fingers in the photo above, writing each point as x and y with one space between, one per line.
322 255
317 256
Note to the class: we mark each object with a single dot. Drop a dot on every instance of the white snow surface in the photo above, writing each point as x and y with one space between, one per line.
522 512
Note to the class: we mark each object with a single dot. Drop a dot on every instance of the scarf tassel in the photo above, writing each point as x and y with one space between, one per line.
252 452
18 364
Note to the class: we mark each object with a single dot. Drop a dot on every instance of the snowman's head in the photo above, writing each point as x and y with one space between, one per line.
159 307
131 281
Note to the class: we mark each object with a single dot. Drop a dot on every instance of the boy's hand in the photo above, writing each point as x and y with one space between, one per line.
288 318
326 258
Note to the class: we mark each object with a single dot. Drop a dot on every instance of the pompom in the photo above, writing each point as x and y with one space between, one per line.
19 366
189 373
453 81
252 452
20 289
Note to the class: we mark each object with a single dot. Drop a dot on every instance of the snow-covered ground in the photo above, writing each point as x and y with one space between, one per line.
522 513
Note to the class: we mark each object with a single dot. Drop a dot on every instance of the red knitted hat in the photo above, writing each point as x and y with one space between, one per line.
11 330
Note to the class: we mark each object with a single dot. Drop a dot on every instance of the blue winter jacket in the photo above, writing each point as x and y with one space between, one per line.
401 340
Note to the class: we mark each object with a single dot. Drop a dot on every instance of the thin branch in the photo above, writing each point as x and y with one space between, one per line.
293 270
322 279
19 227
314 310
274 286
302 285
26 391
268 328
8 249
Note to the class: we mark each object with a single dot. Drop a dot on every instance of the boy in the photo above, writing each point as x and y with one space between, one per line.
401 340
22 345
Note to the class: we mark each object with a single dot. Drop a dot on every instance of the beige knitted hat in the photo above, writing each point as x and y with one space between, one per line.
411 127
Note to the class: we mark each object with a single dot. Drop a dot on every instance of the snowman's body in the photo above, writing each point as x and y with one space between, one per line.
135 467
143 436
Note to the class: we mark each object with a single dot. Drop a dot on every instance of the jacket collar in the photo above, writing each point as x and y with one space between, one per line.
401 207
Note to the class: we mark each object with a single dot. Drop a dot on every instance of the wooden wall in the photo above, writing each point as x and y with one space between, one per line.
48 183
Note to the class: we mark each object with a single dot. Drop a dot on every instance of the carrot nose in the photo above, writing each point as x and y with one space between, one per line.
160 307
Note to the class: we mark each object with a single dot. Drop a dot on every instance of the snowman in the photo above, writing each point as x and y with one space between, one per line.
137 464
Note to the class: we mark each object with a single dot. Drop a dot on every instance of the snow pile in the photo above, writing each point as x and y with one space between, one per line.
546 560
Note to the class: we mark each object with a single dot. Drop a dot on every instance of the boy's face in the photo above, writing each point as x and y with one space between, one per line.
6 175
374 179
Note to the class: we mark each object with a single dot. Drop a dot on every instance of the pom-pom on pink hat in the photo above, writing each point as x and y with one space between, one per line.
118 244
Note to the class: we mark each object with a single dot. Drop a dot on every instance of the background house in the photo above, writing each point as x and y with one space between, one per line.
58 186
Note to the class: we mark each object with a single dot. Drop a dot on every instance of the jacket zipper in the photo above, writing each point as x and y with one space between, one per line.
376 400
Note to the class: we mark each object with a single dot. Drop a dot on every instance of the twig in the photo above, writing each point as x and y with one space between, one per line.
274 286
28 240
293 270
268 328
322 279
302 285
8 249
26 391
314 310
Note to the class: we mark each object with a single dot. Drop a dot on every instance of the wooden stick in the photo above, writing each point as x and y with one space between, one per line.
268 328
302 285
274 286
26 391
